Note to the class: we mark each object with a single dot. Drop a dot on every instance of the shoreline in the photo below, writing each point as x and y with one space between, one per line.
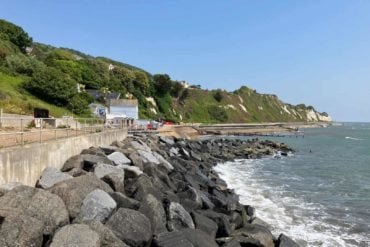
194 131
164 189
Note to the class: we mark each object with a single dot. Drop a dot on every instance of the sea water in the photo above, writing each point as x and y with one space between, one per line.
320 195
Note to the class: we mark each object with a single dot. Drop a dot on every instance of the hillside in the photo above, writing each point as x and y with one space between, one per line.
39 75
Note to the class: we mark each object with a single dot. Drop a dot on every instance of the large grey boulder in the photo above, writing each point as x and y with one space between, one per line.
51 176
74 162
124 201
76 235
163 161
74 191
255 232
178 217
116 181
97 205
139 145
106 235
4 188
168 140
119 158
18 229
222 221
131 171
285 241
198 238
130 226
205 224
148 157
153 209
172 239
90 160
85 161
101 170
42 205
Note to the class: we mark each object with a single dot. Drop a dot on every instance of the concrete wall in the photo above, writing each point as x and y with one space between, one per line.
25 164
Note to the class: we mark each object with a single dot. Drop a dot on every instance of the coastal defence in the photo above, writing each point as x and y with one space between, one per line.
25 164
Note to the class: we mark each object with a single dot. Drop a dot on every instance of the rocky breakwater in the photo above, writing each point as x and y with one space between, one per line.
151 191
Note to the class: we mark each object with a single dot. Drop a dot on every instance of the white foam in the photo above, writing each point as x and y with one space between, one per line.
353 138
285 213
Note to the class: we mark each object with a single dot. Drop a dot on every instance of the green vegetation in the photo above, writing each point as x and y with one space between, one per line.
38 75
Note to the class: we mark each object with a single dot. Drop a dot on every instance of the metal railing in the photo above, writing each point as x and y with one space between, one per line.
20 131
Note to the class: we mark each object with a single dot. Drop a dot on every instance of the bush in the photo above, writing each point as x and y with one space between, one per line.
218 95
78 104
52 85
16 35
217 113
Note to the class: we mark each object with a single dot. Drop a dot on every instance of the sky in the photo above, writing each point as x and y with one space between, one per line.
312 52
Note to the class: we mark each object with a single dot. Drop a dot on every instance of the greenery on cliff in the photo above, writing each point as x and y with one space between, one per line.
38 75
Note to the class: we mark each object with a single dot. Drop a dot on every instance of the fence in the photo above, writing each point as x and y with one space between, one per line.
21 131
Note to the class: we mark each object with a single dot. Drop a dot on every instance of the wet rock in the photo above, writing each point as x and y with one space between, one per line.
232 243
106 235
119 158
178 217
285 241
153 209
255 232
258 221
74 191
76 235
205 224
97 205
41 205
222 221
18 229
174 151
131 226
195 156
51 176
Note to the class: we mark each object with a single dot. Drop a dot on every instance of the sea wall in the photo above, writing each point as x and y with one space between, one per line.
25 164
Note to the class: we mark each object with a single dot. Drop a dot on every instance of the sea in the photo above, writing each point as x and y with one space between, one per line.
320 194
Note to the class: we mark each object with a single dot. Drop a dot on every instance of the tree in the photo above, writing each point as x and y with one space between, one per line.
16 35
218 95
52 85
141 81
162 83
176 89
217 113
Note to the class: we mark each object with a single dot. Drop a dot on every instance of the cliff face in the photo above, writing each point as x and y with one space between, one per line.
37 75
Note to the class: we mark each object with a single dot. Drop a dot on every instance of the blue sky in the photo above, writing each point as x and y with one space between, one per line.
312 52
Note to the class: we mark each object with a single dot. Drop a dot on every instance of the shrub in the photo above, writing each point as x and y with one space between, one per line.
217 113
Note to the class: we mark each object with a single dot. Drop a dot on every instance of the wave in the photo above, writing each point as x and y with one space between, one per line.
354 139
303 221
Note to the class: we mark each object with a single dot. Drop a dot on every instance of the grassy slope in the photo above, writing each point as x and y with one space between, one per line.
260 107
13 99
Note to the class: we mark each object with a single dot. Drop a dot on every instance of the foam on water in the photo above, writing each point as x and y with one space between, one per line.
353 138
306 222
